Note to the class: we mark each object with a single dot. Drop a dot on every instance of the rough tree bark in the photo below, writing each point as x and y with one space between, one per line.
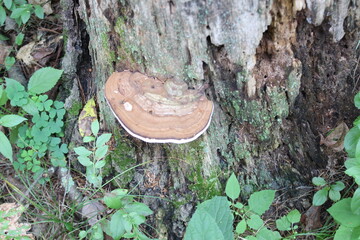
281 72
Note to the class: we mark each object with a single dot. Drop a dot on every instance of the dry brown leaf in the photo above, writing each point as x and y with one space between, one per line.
335 139
24 53
87 116
13 212
311 219
4 52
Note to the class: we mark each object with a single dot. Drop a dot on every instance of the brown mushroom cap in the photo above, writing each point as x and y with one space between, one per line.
157 112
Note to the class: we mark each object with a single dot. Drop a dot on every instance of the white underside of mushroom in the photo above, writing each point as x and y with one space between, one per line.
153 140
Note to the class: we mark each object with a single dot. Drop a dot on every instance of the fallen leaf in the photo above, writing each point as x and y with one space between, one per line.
335 139
87 116
92 211
4 52
311 219
24 53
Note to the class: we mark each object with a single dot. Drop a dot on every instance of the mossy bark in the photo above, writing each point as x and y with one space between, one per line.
257 58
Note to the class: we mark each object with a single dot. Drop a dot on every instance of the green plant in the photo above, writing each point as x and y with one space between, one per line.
214 220
20 11
40 138
125 219
327 190
93 159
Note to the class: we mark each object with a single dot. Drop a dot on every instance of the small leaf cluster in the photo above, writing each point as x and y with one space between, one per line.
20 11
41 137
331 191
124 222
347 211
93 159
7 230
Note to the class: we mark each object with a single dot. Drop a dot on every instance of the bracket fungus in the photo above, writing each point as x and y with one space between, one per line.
156 111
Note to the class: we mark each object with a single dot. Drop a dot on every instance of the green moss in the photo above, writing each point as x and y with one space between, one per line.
75 109
122 158
105 44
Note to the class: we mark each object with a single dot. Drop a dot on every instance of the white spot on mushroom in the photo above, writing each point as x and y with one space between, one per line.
128 107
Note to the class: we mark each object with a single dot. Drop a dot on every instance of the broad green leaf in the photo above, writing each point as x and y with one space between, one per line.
39 11
341 212
43 80
95 126
101 152
294 216
346 233
241 227
82 151
9 62
355 202
334 195
11 120
266 234
104 138
232 188
85 161
30 107
259 202
352 162
320 197
19 39
8 4
2 16
212 220
318 181
239 205
283 224
351 140
338 186
357 100
113 199
354 172
255 222
135 218
82 234
100 164
87 139
3 96
5 148
117 228
16 13
139 208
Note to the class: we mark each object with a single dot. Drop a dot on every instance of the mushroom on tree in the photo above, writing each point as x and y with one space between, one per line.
158 112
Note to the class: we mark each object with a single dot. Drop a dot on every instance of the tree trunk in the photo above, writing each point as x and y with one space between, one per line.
281 73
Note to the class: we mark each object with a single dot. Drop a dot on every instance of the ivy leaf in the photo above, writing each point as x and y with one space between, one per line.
232 188
43 80
259 202
5 149
11 120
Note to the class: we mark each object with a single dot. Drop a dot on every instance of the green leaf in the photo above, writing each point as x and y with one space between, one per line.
266 234
3 38
212 220
283 224
357 100
19 39
355 202
100 164
11 120
294 216
101 152
82 234
334 195
232 188
39 11
341 212
139 208
30 107
87 139
95 126
5 148
354 172
259 202
320 197
338 186
351 140
319 181
8 4
241 227
85 161
16 13
346 233
2 16
9 62
43 80
239 205
82 151
25 16
113 199
104 138
117 228
255 222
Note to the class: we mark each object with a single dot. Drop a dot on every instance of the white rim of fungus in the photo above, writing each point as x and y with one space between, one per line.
155 140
